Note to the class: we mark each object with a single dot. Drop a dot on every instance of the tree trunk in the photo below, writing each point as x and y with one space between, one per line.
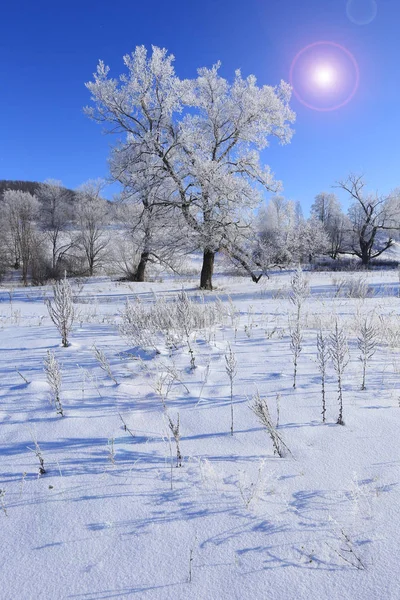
207 270
141 268
365 255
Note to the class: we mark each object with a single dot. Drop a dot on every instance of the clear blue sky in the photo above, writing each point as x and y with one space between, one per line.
48 49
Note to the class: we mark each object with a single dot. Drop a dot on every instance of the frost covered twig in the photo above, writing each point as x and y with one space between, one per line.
38 453
347 553
22 376
366 342
260 409
104 363
339 354
231 370
296 340
322 362
2 503
126 428
111 450
174 428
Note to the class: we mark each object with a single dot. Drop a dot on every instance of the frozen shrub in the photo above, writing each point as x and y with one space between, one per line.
54 379
354 286
367 341
104 363
61 309
230 367
148 326
300 289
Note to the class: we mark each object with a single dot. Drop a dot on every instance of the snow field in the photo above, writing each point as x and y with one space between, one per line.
113 517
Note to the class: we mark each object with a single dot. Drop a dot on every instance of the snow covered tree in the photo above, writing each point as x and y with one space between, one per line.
92 216
153 228
202 137
326 208
20 214
55 214
285 237
373 219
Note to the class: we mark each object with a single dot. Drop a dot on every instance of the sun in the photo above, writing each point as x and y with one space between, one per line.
324 76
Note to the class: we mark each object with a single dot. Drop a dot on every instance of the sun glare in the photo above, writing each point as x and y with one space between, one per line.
324 76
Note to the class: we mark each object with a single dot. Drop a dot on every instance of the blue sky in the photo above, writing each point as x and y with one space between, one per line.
48 50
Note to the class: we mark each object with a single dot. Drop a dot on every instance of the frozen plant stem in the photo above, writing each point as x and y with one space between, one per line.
2 503
260 409
54 379
111 450
299 292
366 342
278 408
22 377
38 453
104 363
190 564
347 553
231 370
296 340
339 354
322 361
126 428
174 428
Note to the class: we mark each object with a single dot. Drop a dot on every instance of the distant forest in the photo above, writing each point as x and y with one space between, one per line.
26 186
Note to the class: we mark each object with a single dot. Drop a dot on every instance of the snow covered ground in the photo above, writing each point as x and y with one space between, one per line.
113 517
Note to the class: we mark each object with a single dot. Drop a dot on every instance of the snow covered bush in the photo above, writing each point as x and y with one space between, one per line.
170 323
61 309
54 379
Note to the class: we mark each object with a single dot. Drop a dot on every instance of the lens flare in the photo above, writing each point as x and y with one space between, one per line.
361 12
324 76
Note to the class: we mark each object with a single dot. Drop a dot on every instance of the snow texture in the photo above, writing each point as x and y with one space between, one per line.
113 517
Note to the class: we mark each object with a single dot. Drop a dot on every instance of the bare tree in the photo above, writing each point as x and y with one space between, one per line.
373 219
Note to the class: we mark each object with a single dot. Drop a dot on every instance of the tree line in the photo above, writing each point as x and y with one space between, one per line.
189 159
